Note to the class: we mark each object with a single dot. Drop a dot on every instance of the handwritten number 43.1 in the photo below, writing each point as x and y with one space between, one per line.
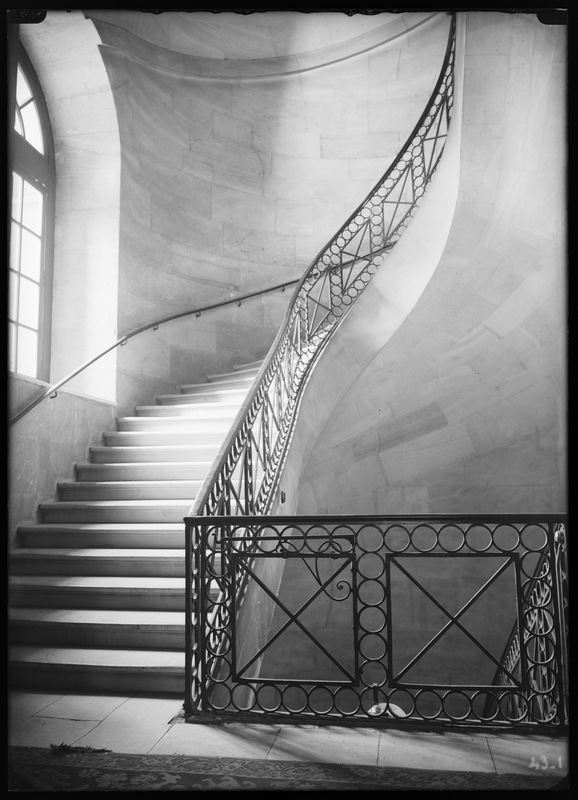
542 763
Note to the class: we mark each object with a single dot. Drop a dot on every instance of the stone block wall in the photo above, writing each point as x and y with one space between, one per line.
44 446
464 408
236 171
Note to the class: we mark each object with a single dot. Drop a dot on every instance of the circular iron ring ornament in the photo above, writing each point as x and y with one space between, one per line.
402 699
347 701
246 703
452 696
534 537
429 536
371 566
482 532
374 534
321 700
455 537
485 699
373 673
289 702
370 592
263 701
506 538
397 538
513 700
421 698
215 668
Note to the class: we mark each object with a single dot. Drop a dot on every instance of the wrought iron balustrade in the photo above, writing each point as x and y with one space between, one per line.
371 617
539 654
245 475
244 479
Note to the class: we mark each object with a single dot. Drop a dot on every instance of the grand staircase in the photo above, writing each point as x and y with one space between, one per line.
97 585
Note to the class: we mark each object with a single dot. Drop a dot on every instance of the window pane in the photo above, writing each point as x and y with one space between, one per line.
18 127
16 197
30 255
12 347
28 303
15 246
32 128
14 280
27 353
32 208
23 92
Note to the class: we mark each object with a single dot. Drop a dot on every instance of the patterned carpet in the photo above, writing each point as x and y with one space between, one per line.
44 770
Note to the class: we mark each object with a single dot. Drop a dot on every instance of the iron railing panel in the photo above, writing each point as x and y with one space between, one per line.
494 580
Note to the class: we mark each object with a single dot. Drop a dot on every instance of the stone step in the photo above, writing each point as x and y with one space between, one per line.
128 562
97 669
121 536
217 384
250 365
97 591
226 397
216 427
156 453
143 471
165 438
201 411
87 627
128 490
115 511
97 586
239 373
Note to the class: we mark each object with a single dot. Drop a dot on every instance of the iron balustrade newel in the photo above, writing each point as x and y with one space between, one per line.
444 619
245 475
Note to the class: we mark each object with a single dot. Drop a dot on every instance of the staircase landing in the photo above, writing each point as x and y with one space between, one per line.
420 758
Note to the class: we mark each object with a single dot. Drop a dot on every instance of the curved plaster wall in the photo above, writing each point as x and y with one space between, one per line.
64 51
463 409
234 175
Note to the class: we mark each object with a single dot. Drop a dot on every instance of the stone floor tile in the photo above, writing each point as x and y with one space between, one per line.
45 731
83 706
224 741
135 726
425 750
326 744
26 704
529 754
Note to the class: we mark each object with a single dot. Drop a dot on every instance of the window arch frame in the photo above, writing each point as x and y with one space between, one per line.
39 170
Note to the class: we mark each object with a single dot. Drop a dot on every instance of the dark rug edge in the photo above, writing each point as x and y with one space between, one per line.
25 762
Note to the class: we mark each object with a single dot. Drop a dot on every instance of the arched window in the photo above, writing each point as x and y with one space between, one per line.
31 225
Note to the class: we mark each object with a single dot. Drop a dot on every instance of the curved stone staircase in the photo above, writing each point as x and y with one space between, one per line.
97 585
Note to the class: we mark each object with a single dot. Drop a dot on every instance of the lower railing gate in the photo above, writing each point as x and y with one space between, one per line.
449 619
